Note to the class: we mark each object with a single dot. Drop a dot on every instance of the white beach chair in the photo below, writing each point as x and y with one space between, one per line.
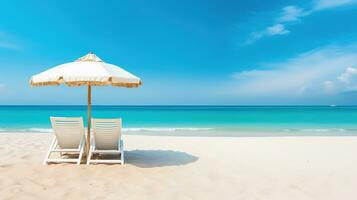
106 139
69 137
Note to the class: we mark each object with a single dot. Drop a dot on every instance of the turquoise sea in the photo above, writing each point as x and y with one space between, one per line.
196 120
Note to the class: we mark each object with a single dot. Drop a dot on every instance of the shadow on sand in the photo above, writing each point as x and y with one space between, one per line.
158 158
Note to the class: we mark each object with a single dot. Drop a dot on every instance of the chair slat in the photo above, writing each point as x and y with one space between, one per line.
106 133
69 131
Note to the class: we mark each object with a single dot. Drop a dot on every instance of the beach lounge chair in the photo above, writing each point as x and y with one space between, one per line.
69 139
106 140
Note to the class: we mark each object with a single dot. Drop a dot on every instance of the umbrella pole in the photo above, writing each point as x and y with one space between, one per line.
88 119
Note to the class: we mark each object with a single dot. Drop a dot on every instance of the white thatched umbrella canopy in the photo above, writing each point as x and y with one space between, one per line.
88 70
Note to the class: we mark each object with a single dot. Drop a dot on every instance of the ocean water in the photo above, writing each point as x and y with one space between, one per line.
196 120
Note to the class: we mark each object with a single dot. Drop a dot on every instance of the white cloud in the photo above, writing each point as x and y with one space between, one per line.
250 73
291 13
326 4
277 29
348 76
315 73
345 82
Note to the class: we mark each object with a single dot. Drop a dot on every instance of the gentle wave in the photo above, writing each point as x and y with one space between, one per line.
41 130
317 130
151 129
206 130
166 129
322 130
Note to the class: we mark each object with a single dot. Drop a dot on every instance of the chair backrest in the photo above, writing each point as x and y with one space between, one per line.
69 131
106 133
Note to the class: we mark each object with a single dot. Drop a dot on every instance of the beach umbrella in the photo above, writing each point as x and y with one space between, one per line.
89 71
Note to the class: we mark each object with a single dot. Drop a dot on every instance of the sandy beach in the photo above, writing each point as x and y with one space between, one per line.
187 168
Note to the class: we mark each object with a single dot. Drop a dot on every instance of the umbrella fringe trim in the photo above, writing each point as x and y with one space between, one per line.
82 83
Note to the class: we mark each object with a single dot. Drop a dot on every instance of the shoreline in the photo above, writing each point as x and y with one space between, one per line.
215 133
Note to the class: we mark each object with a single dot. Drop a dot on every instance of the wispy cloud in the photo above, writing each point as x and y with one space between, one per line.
276 29
348 75
326 4
327 70
346 82
293 13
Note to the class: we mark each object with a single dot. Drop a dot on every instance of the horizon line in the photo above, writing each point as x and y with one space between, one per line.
221 105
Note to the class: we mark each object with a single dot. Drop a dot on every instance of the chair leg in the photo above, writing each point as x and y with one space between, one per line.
89 155
49 150
82 145
122 158
80 155
122 152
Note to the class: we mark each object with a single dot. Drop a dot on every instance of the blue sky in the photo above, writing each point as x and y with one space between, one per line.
186 52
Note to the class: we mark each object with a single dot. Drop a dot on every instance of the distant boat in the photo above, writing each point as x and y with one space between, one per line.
332 105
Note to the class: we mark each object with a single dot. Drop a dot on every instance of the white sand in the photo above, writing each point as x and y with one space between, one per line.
187 168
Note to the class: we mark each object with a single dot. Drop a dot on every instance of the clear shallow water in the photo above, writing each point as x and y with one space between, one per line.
196 120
